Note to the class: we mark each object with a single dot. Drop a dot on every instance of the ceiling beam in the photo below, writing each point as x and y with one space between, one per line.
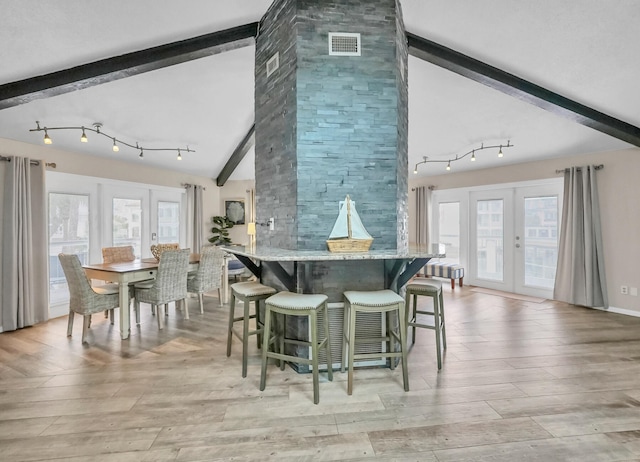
118 67
519 88
241 150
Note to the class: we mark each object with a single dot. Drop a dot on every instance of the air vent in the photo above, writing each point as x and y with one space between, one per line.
344 44
273 64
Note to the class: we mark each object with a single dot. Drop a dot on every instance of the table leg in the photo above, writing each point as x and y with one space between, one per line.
124 311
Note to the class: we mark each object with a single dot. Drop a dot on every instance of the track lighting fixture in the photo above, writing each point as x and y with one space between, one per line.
472 152
97 129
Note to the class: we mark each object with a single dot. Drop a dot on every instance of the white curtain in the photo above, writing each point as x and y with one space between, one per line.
580 277
195 217
25 286
422 215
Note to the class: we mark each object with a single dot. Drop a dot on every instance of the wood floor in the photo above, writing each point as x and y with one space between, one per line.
521 381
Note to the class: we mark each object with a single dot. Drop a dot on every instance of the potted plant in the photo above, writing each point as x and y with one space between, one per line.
220 228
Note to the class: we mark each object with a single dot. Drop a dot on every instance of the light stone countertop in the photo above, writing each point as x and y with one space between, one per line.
264 253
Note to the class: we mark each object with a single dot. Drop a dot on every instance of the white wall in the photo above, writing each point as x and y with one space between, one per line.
619 208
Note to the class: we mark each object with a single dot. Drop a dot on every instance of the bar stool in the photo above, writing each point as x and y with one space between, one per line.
292 304
380 301
430 289
247 292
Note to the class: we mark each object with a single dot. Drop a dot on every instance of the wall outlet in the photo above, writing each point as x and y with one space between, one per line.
624 290
633 291
272 224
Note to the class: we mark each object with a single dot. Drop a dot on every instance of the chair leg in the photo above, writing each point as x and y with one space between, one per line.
112 315
70 323
85 327
185 303
159 316
166 308
201 300
106 314
220 296
136 307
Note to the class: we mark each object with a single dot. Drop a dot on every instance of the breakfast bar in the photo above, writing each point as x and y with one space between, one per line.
331 274
296 270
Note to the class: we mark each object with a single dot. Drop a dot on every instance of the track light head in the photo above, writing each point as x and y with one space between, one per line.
448 166
115 147
83 138
47 140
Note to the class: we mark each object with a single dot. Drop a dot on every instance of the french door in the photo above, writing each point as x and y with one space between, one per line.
513 238
86 214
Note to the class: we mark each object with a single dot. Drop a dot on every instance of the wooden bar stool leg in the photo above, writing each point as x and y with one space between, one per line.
391 347
265 347
245 337
232 307
313 333
259 323
325 316
444 332
414 317
282 330
352 344
436 323
403 346
345 333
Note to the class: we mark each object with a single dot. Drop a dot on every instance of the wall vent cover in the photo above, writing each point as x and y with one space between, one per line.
344 44
273 64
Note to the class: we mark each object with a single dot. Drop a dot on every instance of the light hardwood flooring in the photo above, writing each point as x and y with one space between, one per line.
521 381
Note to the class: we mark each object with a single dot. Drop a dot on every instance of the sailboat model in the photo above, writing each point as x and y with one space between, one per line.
348 234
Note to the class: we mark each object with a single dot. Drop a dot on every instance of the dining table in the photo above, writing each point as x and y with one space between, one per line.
129 272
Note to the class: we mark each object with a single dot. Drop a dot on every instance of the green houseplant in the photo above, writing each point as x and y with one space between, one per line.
220 228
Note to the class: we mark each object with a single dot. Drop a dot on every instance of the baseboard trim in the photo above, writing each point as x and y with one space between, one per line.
613 309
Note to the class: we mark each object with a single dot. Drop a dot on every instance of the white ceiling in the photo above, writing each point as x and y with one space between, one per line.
585 50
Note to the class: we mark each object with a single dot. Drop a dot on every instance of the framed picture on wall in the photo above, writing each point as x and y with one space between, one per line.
234 210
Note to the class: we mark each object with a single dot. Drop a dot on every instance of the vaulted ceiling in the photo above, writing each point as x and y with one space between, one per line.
576 61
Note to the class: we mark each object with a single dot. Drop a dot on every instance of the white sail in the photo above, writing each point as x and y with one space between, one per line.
348 218
357 228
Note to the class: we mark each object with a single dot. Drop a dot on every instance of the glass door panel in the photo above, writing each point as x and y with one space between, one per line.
540 241
490 239
127 224
168 222
449 230
68 233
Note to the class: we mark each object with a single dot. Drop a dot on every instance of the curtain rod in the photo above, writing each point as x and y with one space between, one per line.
596 167
33 162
